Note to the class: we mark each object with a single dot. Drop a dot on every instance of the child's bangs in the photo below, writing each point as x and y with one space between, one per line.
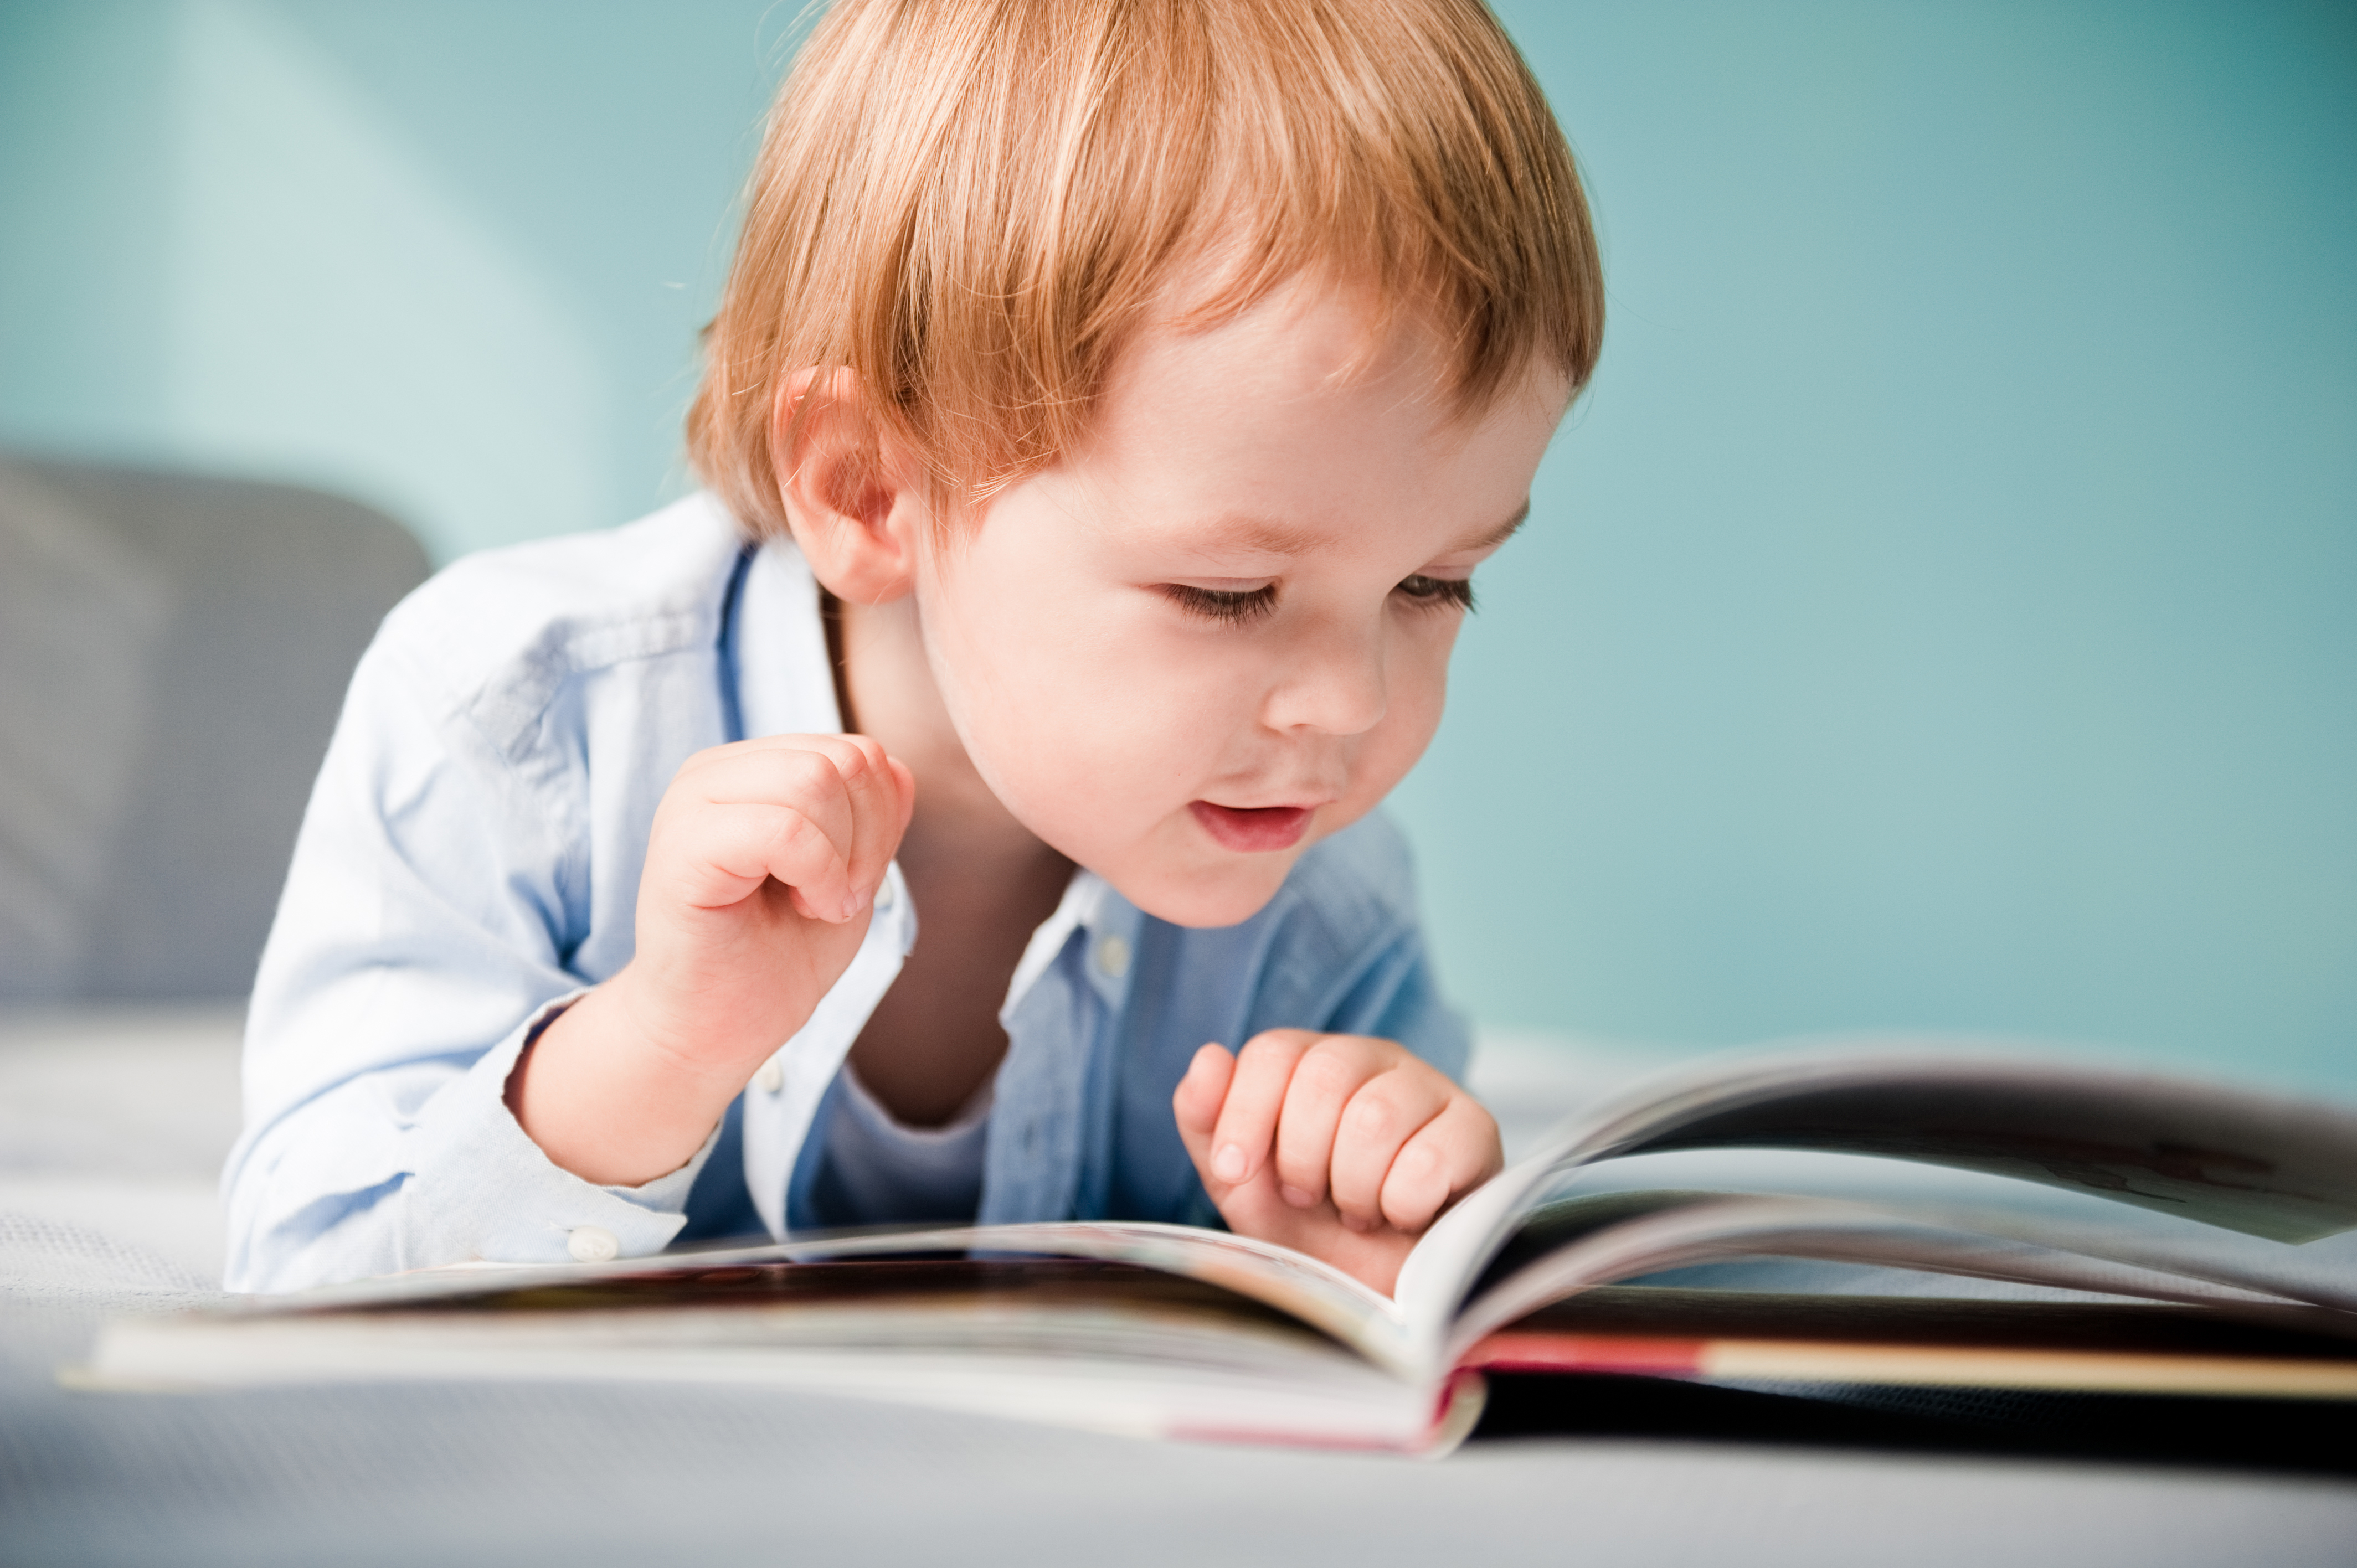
972 204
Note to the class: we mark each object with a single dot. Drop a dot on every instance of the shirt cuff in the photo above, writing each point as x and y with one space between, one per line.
483 1189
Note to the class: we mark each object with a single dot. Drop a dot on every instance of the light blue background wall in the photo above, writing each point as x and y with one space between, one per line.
1943 612
448 256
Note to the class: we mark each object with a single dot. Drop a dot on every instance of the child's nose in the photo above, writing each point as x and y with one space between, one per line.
1333 682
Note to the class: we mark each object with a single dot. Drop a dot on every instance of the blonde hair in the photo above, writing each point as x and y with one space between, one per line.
971 204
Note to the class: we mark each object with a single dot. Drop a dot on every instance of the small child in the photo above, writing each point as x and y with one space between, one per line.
1110 404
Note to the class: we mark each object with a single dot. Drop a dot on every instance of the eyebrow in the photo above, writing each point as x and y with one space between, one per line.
1266 537
1502 532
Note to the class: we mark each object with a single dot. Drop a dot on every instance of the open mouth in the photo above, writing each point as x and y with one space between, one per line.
1254 828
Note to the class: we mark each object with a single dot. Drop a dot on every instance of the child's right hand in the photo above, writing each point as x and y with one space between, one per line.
760 873
1341 1146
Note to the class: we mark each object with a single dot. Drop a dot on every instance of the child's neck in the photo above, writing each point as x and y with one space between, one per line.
981 880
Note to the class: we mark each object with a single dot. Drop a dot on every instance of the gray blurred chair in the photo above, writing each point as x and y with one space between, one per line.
173 653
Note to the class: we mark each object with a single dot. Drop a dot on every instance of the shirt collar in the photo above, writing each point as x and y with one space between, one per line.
1107 924
784 683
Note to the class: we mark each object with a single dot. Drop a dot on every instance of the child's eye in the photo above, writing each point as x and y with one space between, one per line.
1438 593
1222 604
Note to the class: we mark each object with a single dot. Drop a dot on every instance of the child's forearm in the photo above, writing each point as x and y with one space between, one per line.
609 1103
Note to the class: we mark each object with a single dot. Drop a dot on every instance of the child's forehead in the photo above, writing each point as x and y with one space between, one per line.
1274 436
1260 523
1319 329
1312 359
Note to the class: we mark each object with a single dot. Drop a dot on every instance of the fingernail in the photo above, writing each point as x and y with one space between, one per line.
1228 1164
1297 1196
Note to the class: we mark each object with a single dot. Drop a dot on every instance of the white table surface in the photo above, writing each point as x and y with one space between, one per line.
112 1130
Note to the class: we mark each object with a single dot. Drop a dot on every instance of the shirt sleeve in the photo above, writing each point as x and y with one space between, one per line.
422 942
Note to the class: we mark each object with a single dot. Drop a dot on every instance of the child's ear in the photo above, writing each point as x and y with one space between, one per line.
855 497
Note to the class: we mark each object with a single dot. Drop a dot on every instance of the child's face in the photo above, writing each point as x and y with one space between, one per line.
1220 630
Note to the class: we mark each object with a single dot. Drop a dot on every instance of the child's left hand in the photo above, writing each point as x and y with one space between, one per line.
1337 1146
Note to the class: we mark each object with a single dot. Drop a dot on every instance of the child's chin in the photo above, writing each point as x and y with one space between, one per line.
1227 897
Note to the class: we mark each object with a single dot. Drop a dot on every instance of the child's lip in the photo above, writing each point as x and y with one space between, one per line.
1254 829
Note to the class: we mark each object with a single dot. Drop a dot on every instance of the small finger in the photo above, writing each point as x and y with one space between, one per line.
873 791
811 779
747 770
1196 1105
841 783
1247 1127
1331 1072
1454 1153
1381 1118
723 853
907 783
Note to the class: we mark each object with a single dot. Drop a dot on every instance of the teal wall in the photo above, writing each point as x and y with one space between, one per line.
447 255
1943 612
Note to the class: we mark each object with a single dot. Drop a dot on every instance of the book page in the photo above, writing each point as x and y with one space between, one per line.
1315 1293
1751 1338
1109 1347
1577 1243
2261 1164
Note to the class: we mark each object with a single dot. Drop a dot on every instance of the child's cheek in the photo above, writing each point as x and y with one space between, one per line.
1417 681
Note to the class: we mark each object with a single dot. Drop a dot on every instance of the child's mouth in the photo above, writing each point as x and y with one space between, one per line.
1253 828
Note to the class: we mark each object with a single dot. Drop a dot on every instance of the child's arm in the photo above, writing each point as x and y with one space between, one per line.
761 868
1338 1145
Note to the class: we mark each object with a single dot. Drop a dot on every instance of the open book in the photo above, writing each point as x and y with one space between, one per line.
2155 1234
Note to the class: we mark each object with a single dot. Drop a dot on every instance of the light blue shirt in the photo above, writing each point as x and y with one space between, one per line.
469 863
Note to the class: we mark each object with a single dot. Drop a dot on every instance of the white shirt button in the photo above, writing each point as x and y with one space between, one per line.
1113 957
771 1078
592 1244
885 897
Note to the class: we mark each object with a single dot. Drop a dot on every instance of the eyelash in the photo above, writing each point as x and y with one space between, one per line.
1234 609
1222 605
1438 593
